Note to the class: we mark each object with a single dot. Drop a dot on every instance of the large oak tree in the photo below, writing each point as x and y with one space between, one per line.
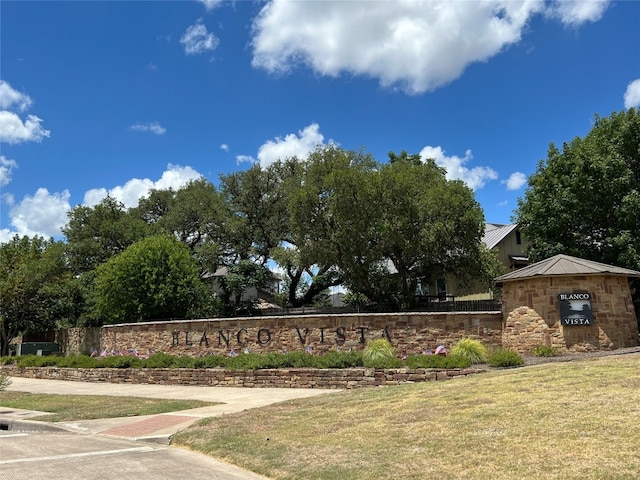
584 199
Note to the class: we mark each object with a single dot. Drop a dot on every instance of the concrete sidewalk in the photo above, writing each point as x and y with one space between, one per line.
152 428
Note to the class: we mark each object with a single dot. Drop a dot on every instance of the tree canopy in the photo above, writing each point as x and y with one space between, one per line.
584 199
337 217
35 291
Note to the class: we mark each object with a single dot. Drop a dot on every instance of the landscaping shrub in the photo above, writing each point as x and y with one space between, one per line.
297 360
437 361
36 361
380 354
160 360
6 360
474 350
340 360
210 361
545 351
253 361
120 361
77 361
505 358
184 361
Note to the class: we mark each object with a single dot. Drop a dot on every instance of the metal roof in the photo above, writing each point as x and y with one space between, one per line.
494 233
565 265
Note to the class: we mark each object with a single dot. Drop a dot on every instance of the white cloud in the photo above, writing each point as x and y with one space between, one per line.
245 159
632 95
577 12
46 213
153 127
10 98
515 181
292 145
475 177
6 168
174 177
6 235
42 214
13 130
414 45
211 4
198 40
224 147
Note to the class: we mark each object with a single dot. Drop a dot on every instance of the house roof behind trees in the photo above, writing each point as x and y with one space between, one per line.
494 233
565 265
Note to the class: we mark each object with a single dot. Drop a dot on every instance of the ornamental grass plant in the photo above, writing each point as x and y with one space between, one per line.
380 354
4 382
473 350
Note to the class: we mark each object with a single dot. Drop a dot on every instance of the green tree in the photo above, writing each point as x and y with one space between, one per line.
259 226
258 200
155 278
34 283
95 234
264 201
199 217
429 226
332 210
584 200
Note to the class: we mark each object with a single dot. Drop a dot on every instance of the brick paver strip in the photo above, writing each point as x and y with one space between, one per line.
149 425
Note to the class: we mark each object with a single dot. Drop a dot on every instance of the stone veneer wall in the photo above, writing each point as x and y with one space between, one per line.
347 378
79 340
410 333
532 314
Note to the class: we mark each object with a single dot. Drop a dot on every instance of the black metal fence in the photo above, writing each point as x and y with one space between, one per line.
461 306
425 306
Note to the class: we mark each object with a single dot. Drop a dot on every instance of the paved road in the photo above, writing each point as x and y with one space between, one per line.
71 456
134 447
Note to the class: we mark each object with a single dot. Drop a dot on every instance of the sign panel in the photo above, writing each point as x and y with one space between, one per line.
575 309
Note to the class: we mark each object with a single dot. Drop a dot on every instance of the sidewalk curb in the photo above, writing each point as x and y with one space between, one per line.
156 439
32 426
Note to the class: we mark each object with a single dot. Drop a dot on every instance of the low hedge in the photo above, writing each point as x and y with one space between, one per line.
243 361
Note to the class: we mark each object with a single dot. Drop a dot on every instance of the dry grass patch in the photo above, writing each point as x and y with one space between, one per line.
552 421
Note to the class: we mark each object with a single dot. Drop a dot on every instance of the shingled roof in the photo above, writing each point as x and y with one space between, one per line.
564 265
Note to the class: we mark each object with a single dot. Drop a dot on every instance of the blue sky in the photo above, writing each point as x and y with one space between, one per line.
115 97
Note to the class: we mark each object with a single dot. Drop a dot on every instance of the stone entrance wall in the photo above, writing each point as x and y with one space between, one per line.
532 314
530 317
410 333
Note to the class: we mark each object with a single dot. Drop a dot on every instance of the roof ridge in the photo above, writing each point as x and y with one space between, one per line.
562 264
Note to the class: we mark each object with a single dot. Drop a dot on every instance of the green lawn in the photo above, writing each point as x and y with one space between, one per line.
66 408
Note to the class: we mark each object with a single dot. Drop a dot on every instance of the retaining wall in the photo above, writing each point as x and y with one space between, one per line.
347 378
